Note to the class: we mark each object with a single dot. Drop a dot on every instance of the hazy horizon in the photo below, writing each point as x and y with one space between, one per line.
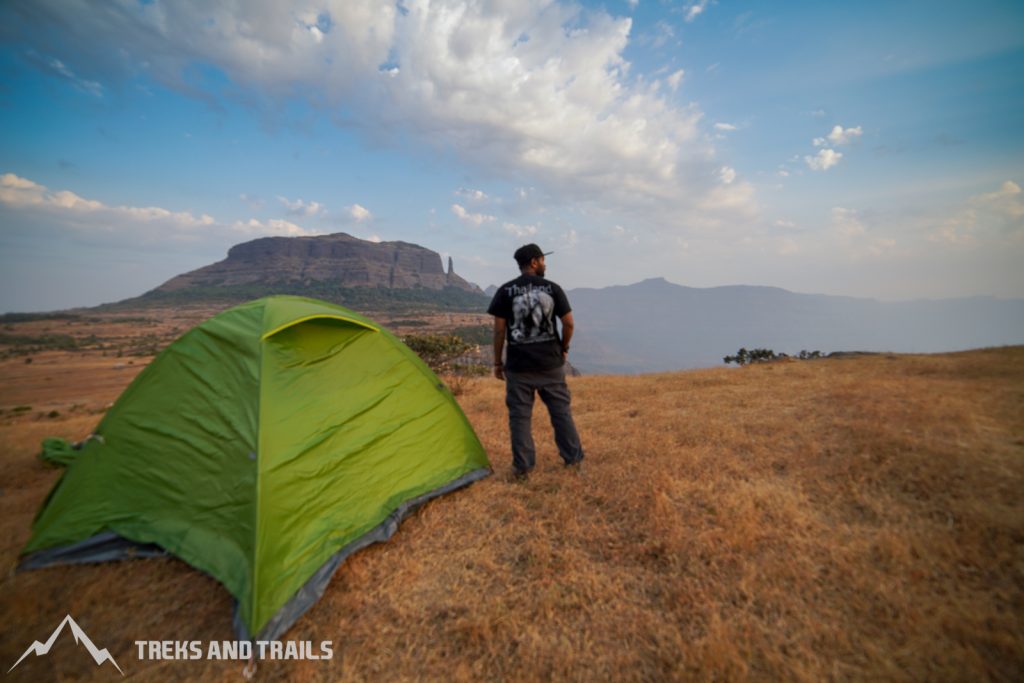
484 287
868 150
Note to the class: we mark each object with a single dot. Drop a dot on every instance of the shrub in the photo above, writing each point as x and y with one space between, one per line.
475 334
439 351
745 357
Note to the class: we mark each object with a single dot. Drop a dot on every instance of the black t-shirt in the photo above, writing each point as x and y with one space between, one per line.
530 305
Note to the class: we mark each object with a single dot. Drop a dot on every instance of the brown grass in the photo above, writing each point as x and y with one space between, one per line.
846 519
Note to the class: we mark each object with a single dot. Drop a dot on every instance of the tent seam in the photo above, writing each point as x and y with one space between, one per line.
316 316
253 593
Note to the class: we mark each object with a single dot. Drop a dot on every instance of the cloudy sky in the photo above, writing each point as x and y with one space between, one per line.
867 149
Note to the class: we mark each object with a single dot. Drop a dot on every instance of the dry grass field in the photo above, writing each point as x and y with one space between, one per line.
855 518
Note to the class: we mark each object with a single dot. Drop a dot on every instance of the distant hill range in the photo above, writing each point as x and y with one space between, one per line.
339 267
650 326
655 325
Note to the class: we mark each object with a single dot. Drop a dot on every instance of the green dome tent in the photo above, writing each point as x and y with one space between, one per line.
263 447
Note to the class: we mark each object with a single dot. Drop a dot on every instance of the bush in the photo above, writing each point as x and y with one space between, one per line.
61 342
481 335
439 351
744 357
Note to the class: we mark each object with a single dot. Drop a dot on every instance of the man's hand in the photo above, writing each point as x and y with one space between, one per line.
568 325
499 344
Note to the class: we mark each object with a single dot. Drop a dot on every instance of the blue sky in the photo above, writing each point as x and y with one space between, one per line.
866 149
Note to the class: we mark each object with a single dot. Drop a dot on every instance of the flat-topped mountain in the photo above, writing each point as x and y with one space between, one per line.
342 260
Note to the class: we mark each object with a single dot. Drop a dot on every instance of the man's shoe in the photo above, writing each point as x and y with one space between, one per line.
518 476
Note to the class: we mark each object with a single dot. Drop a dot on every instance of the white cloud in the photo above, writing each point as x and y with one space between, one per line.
18 191
478 196
540 90
22 193
91 220
476 219
827 157
735 198
695 9
13 182
58 68
728 127
558 109
252 202
520 231
987 217
358 213
674 79
823 160
847 223
1007 199
665 33
633 4
299 207
274 226
839 136
727 174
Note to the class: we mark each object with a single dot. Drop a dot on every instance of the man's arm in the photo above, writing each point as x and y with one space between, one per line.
567 328
499 344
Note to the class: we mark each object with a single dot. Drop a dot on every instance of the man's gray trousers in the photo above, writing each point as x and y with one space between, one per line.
554 392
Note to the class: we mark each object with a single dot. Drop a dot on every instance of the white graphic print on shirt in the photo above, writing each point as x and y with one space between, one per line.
533 311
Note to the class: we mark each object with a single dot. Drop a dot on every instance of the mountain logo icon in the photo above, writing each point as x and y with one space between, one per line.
39 649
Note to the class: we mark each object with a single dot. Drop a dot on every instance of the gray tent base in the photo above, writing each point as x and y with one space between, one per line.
103 547
106 546
314 588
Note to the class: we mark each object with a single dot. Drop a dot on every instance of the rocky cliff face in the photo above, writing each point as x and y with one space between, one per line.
340 259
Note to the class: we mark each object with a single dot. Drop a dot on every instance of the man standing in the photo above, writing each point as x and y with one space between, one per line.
524 313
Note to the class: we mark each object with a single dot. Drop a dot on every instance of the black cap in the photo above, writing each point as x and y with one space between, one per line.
527 253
